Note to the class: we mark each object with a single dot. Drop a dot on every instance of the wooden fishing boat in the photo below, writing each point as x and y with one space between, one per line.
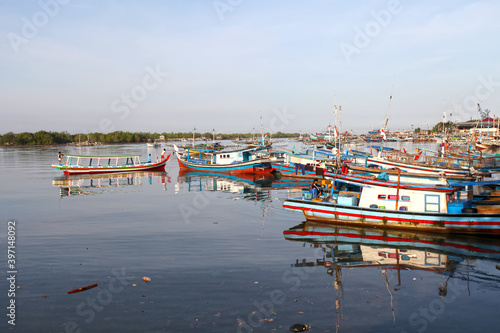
314 163
438 163
249 160
428 209
297 165
388 163
79 164
411 177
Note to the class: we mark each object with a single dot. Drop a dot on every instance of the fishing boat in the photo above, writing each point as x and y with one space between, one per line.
307 167
410 177
408 165
79 164
248 160
438 162
424 208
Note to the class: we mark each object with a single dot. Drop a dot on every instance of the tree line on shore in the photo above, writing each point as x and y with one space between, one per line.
56 138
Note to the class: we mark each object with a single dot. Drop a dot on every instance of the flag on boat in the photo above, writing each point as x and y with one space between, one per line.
335 132
383 133
418 156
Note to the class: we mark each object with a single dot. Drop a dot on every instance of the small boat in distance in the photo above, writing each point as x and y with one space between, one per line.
154 144
78 164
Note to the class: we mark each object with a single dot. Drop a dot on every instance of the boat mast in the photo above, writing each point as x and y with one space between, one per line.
444 141
194 129
261 130
336 130
385 125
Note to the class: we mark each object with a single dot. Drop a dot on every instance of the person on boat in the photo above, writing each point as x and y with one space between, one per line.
60 157
149 158
163 154
315 189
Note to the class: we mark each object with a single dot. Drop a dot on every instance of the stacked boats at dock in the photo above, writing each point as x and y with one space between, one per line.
428 191
439 198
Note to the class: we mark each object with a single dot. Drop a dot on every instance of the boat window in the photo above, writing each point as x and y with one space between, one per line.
382 196
432 203
393 197
405 198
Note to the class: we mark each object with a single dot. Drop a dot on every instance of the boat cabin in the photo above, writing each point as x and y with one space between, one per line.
101 161
234 156
405 200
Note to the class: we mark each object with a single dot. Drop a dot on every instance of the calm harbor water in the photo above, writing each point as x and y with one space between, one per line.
215 250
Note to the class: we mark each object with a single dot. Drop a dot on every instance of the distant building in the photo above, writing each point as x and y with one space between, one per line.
486 126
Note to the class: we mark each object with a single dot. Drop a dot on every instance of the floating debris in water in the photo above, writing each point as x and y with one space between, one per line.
299 328
83 289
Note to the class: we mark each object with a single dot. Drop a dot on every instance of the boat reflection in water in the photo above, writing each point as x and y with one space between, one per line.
74 185
247 186
465 259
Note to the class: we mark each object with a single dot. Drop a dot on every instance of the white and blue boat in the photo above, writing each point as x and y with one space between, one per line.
248 160
419 208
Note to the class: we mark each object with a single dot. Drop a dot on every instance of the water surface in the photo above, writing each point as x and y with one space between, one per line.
215 250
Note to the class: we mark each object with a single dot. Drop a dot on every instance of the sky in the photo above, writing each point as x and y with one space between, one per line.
223 65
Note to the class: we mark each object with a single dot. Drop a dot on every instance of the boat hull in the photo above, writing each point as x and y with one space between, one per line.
461 223
288 170
417 168
250 167
360 180
85 170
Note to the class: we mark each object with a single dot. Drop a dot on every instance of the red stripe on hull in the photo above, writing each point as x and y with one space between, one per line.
252 169
160 166
390 222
